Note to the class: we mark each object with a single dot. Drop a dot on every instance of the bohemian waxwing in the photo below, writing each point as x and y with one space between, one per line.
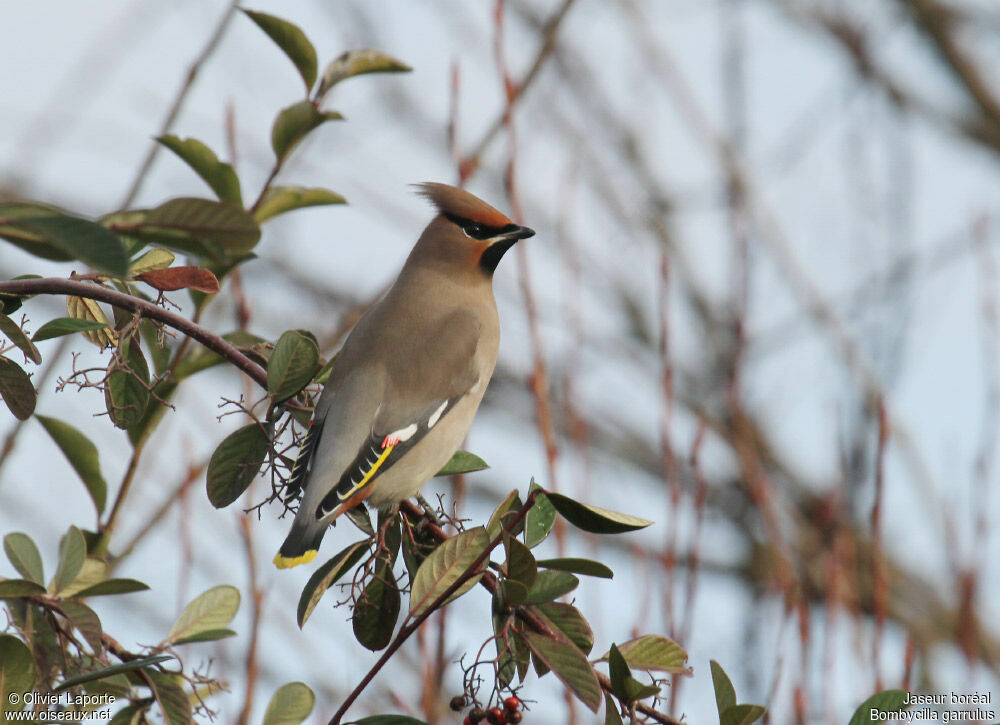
410 376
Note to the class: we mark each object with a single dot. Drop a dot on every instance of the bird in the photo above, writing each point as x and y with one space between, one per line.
410 376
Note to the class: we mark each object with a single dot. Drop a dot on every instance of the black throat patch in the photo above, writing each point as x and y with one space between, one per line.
494 253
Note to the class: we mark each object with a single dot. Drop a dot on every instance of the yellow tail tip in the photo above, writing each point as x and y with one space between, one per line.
285 562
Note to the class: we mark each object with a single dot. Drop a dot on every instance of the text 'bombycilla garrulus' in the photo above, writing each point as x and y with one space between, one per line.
410 376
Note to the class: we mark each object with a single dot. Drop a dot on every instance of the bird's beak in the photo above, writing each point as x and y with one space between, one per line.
514 234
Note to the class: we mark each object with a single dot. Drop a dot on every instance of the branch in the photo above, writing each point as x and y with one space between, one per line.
215 343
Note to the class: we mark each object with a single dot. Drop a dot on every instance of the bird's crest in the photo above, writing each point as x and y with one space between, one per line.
460 203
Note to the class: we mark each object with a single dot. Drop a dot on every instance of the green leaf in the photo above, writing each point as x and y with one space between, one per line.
235 464
655 652
94 571
520 563
725 693
109 671
540 519
126 392
15 588
65 326
463 462
16 389
445 565
23 555
280 199
112 586
357 62
208 228
567 619
72 554
593 519
377 610
86 622
587 567
619 674
290 705
290 38
214 609
17 674
387 720
326 576
570 665
82 455
551 585
294 123
52 234
502 514
293 364
85 308
217 174
157 258
742 715
170 696
13 219
611 714
358 515
209 635
881 702
16 335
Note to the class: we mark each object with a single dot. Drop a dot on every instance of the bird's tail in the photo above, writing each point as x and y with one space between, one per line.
301 545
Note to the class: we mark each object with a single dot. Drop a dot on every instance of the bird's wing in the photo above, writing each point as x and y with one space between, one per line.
425 376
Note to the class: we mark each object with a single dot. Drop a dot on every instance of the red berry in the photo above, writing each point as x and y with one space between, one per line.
467 721
514 717
476 714
496 716
512 704
457 703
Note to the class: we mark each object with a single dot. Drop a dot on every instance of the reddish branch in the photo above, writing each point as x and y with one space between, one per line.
215 343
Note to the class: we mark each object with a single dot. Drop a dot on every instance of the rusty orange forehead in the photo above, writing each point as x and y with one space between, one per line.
460 203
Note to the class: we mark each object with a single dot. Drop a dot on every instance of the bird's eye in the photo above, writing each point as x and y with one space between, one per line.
474 230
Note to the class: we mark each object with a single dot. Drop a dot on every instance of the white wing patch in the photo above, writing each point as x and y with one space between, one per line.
404 434
436 416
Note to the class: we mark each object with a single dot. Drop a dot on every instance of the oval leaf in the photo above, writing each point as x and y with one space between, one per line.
463 462
86 622
81 239
111 671
84 308
157 258
742 715
93 571
377 610
294 123
217 174
725 693
17 673
881 702
357 62
14 588
82 455
113 586
66 326
326 576
126 392
280 199
593 519
72 555
16 389
290 705
13 216
587 567
655 652
23 555
208 228
551 585
175 278
540 519
445 565
213 609
235 464
293 363
567 619
290 38
16 335
570 665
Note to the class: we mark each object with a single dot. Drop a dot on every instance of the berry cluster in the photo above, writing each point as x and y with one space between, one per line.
510 713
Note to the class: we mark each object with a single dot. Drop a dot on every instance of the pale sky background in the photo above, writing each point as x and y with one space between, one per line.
852 184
